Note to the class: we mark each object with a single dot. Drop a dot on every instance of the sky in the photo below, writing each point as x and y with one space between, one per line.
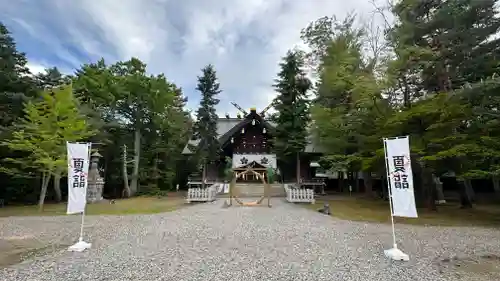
243 39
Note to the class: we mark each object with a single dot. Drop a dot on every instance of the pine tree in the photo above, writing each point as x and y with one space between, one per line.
15 83
205 127
446 43
443 46
292 106
51 78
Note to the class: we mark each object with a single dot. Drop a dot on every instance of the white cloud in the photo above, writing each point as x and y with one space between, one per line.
244 39
36 68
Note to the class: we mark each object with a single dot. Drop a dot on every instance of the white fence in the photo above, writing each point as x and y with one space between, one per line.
298 195
196 194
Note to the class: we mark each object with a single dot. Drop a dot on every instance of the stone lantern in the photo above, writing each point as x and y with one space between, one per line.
95 181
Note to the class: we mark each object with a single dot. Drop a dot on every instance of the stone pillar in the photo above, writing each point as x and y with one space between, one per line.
95 181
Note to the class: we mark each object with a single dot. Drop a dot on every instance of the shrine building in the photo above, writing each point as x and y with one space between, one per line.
246 141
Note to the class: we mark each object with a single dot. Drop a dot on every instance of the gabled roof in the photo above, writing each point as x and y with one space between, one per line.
224 139
223 126
226 127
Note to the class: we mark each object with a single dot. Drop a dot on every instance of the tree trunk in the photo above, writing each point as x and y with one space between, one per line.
298 169
428 188
496 186
419 185
368 183
385 189
156 173
356 181
126 187
57 185
134 182
465 199
204 174
43 190
470 190
340 176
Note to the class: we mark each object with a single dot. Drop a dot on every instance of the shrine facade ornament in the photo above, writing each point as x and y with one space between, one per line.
266 160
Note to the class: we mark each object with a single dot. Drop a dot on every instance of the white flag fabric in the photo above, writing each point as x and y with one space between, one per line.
400 177
78 169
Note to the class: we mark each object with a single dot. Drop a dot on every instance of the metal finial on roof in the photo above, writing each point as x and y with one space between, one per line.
239 108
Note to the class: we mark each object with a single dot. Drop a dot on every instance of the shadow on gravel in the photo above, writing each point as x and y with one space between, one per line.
14 250
479 264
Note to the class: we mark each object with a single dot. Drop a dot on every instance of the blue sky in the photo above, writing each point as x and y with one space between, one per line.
244 39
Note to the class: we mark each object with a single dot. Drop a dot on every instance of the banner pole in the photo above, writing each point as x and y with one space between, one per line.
87 179
81 245
81 226
390 195
394 253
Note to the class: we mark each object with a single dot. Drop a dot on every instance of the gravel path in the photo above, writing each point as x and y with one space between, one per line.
207 242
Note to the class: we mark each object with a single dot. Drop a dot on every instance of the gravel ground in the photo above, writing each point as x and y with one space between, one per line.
207 242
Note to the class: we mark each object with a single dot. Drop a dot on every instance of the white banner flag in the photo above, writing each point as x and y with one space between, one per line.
400 177
78 169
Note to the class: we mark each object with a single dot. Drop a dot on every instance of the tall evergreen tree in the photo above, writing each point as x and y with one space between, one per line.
205 127
51 78
442 46
447 43
15 82
292 106
347 99
15 87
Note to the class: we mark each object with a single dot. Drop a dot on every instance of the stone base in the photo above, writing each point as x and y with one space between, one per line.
396 254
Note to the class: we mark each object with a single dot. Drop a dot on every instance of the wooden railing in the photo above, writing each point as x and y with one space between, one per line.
196 194
299 195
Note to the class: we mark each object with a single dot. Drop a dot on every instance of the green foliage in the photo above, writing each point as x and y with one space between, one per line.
51 78
348 105
122 99
15 83
292 106
205 127
437 81
439 86
116 101
42 133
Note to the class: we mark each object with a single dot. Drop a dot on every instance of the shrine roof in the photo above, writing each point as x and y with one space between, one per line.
224 125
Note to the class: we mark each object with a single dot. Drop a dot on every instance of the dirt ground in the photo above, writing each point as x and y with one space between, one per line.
15 249
485 265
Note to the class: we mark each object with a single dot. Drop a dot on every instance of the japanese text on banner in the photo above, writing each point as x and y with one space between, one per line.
400 177
78 167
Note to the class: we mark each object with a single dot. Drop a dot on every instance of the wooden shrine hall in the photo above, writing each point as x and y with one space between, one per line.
245 141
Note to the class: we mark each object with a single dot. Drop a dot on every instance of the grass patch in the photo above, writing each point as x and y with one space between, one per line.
373 210
136 205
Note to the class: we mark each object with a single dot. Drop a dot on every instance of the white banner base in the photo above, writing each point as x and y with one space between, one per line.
396 254
80 246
